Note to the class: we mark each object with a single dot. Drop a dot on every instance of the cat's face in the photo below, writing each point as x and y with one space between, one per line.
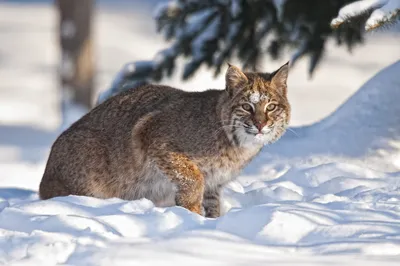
260 111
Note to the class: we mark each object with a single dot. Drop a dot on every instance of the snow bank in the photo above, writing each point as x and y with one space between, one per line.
325 210
365 130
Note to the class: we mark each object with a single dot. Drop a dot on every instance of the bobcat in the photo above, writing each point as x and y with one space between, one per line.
167 145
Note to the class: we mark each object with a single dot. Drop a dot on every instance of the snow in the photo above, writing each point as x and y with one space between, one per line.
386 13
235 8
209 33
166 8
124 78
326 193
383 11
255 97
279 4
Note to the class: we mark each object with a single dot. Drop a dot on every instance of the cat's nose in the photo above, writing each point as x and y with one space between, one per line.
260 125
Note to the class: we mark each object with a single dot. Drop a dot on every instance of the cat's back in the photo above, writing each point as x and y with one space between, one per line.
127 107
149 111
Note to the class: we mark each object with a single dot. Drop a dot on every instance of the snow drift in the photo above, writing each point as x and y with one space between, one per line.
365 130
310 194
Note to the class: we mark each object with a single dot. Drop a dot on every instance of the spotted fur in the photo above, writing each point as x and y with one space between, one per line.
167 145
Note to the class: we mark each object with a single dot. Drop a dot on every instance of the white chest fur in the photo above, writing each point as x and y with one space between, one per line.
219 171
219 176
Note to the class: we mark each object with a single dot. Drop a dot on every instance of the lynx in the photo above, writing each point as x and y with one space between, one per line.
167 145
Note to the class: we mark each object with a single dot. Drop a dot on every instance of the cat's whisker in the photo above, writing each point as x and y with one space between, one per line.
294 132
226 126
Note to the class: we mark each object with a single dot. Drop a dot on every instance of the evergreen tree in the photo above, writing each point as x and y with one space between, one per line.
211 32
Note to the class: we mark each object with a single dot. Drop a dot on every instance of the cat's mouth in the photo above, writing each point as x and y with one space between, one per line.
256 132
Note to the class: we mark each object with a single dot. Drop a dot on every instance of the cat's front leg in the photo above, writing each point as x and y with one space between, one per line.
187 177
211 202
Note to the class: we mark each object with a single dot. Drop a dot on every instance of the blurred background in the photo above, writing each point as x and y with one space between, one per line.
39 54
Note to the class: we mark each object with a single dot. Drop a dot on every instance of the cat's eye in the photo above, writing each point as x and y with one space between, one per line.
271 107
247 107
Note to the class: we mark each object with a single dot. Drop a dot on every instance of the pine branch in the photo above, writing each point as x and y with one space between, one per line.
373 13
211 32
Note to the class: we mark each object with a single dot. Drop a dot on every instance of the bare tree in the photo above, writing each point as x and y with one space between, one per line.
76 47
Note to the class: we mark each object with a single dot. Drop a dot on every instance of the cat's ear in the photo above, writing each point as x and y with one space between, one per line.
279 78
235 79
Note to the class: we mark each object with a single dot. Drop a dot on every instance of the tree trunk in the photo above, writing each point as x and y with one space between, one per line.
76 66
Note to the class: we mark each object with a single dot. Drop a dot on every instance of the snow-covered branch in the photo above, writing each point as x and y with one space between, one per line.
211 32
379 12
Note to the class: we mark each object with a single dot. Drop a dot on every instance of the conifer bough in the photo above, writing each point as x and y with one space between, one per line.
211 32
